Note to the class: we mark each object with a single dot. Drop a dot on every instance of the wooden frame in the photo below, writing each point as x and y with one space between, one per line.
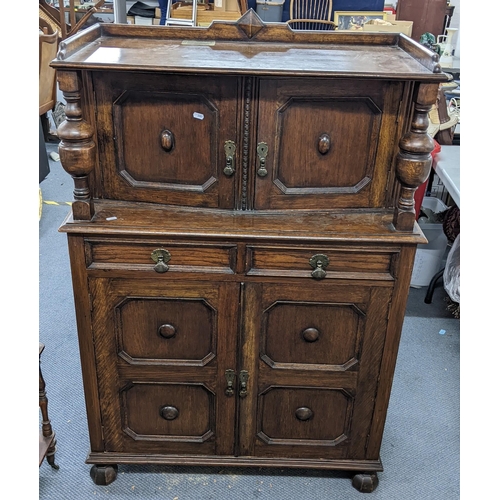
344 19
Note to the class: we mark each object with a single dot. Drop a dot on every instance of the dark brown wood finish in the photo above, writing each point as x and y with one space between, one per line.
242 239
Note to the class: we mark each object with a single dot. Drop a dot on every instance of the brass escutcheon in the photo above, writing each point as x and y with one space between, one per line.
243 383
262 151
230 376
230 150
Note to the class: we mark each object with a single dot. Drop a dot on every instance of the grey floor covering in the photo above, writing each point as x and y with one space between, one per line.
421 446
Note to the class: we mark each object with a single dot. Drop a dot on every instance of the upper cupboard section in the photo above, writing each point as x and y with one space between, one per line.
231 142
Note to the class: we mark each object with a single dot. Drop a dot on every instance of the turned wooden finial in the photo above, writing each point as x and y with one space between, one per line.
77 150
414 160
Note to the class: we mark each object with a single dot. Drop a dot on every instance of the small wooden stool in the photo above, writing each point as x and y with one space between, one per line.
47 440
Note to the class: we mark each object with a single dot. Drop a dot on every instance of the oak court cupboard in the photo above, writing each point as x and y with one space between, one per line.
242 238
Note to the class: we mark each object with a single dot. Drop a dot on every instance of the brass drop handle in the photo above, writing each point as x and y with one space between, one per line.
324 144
230 150
167 140
262 151
243 384
161 257
230 376
319 262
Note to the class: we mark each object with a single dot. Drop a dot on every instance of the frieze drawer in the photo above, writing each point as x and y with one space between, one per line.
321 263
160 256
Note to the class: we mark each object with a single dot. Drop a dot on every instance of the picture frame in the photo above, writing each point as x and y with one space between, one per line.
355 20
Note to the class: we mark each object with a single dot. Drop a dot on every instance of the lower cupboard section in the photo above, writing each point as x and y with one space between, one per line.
200 372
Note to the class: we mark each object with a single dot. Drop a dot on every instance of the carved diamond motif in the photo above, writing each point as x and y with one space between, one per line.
250 23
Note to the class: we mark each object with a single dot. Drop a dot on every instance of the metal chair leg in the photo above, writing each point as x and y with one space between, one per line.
432 286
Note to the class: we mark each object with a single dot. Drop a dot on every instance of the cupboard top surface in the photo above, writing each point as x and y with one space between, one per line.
225 47
121 218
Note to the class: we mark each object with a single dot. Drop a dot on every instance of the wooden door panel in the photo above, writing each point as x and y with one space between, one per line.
166 116
324 140
303 416
313 353
166 329
314 336
343 162
169 412
161 392
161 138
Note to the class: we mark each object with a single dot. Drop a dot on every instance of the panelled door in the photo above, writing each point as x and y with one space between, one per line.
167 138
313 355
162 351
324 144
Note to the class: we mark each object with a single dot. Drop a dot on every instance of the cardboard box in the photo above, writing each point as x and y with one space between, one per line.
429 258
270 11
203 17
232 6
220 5
146 21
404 27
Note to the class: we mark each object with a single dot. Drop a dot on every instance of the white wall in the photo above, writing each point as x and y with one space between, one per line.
455 23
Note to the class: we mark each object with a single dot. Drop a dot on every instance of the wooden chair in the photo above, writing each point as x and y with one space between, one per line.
47 84
51 17
47 441
47 48
311 15
309 24
59 17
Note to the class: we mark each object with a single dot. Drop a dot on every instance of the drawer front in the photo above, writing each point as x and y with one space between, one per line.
161 256
321 263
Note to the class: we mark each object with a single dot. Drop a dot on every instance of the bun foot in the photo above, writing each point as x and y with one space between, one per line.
102 475
51 462
365 483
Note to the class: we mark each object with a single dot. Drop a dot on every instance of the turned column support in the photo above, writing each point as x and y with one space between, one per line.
77 150
414 161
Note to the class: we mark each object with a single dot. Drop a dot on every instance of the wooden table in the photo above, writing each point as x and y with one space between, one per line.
447 167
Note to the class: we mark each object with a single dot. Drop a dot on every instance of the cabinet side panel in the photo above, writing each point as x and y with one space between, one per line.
403 270
85 340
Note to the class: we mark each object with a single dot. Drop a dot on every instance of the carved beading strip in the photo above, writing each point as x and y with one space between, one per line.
246 142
